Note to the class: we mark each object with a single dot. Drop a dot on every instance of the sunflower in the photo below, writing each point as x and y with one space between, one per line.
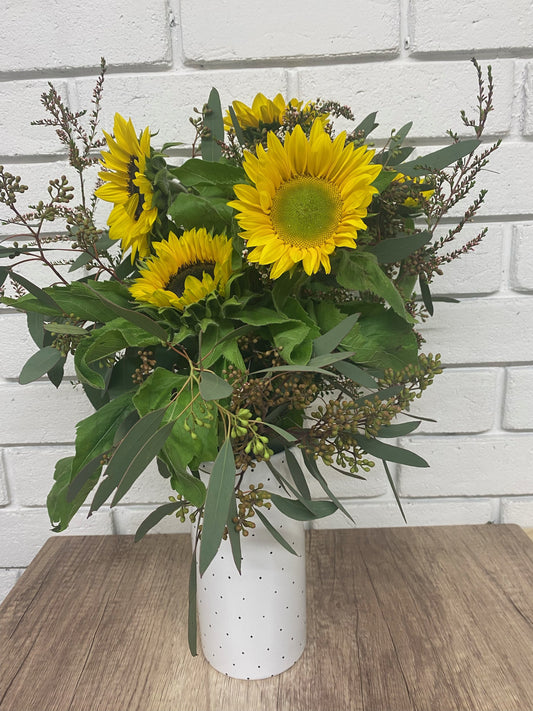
308 197
128 187
184 270
263 111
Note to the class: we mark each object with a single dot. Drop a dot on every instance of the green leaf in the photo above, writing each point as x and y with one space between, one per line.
81 261
34 290
384 179
295 339
60 509
35 323
357 374
300 512
237 127
397 248
156 516
113 337
67 328
274 532
367 125
202 172
39 364
331 339
128 454
329 359
433 162
191 617
234 536
212 387
138 319
136 466
392 454
391 482
381 339
360 271
176 393
262 316
189 211
83 476
426 294
95 435
217 504
311 465
297 474
283 433
292 369
87 374
400 430
214 123
188 486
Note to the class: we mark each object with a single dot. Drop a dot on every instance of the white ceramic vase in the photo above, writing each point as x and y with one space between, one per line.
253 625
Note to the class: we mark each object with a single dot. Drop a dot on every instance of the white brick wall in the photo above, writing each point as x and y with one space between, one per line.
409 61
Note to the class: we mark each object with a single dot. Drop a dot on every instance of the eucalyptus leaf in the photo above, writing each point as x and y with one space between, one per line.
146 453
389 452
367 125
357 374
65 328
237 127
274 532
297 474
34 290
156 516
316 474
191 616
214 123
212 387
39 364
35 323
127 453
283 433
399 430
300 512
234 536
392 250
433 162
331 339
217 504
393 487
138 319
329 359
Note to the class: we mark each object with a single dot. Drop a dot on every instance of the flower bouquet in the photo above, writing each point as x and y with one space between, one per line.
258 299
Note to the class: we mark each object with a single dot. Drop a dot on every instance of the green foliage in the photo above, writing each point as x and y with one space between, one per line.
322 361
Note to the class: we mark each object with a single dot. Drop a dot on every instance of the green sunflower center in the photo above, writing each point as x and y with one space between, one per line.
132 188
176 283
306 211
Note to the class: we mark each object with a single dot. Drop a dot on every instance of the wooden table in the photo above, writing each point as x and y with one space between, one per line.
429 619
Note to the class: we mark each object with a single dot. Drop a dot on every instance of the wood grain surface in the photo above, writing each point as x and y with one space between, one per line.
400 619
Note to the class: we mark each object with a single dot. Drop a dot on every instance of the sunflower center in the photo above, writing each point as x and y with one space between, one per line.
132 188
306 211
176 283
